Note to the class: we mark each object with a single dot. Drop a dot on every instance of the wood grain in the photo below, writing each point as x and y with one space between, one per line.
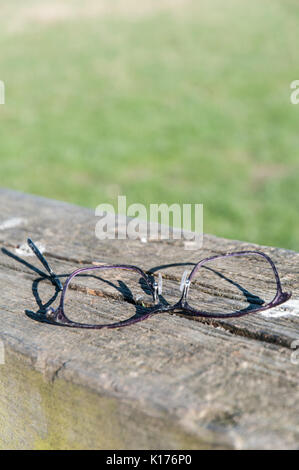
168 382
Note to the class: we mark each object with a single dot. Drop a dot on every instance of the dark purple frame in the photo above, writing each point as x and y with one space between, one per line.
58 316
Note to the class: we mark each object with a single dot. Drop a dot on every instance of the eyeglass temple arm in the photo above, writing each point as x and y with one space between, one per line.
44 262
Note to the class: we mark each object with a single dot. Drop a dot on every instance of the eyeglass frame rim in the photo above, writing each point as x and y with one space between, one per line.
58 316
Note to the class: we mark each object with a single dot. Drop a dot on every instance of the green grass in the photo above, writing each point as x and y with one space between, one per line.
189 105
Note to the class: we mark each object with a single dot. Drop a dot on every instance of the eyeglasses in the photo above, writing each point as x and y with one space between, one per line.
217 287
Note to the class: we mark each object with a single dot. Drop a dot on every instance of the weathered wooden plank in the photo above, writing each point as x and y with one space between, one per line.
279 326
80 246
167 382
212 387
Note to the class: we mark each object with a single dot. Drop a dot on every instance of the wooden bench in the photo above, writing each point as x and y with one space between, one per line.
169 382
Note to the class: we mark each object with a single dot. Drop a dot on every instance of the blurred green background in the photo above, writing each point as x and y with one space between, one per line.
159 100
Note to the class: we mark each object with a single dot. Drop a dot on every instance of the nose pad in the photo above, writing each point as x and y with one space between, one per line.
183 281
158 287
160 284
185 284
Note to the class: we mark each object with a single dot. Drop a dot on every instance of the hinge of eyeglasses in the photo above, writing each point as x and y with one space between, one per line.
53 276
185 284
